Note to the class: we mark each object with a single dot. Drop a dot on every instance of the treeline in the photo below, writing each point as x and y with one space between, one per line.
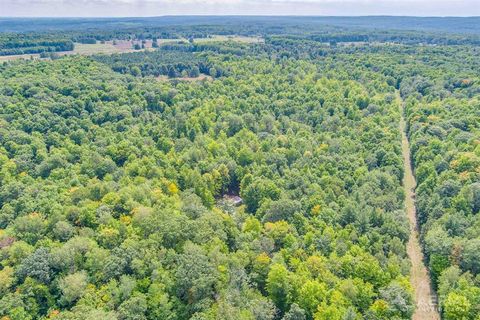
389 36
14 45
222 47
468 26
157 63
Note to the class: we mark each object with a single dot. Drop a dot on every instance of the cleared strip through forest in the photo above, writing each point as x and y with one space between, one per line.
425 298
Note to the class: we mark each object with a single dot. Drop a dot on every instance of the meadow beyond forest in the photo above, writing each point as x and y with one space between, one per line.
243 169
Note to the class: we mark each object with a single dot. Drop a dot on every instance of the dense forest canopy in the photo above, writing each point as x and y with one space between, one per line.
116 184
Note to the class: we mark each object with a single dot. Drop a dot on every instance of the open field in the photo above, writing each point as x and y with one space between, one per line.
87 49
122 46
82 49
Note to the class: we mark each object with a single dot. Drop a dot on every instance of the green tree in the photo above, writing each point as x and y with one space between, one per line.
278 286
456 306
73 286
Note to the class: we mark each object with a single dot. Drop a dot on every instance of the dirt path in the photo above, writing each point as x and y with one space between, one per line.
425 299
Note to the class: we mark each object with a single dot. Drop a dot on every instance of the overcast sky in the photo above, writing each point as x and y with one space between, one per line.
104 8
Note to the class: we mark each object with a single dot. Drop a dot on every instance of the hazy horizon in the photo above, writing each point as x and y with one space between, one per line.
153 8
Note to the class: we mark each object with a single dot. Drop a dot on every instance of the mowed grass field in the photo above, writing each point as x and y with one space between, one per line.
83 49
88 49
122 46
